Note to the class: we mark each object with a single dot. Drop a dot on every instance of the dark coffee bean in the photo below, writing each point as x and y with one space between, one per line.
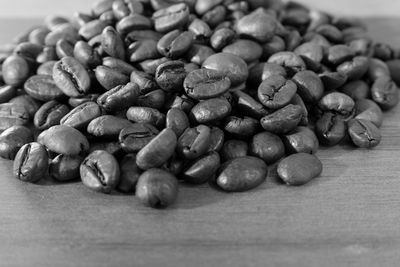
283 120
112 43
170 76
299 169
385 92
248 50
394 68
194 142
118 64
242 174
289 60
202 6
12 139
110 78
129 174
142 35
200 29
354 69
64 140
171 17
31 105
338 54
7 92
298 101
197 54
330 129
230 65
158 150
202 169
333 80
157 188
276 92
264 71
123 8
143 50
64 48
211 110
217 139
71 77
76 101
377 68
133 22
366 109
43 88
364 133
249 106
206 83
112 147
80 116
175 43
357 90
100 171
49 114
267 146
234 149
154 99
146 115
150 66
144 80
107 126
241 127
309 86
215 16
92 29
46 68
15 70
65 168
182 102
177 120
86 55
31 163
119 98
302 139
337 103
275 45
258 25
13 114
136 136
311 53
221 38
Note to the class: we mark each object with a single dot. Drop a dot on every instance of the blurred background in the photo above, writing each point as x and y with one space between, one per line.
41 8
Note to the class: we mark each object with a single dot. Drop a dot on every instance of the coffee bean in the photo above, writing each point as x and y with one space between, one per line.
133 22
50 114
385 92
110 78
337 103
247 50
299 169
86 55
367 109
142 50
65 168
31 105
202 169
112 43
217 138
171 17
144 80
330 129
15 70
136 136
364 133
170 76
357 90
301 140
283 120
206 83
129 174
7 92
12 139
31 163
13 114
211 110
276 92
107 126
119 98
309 86
241 127
154 99
194 142
234 149
267 146
177 120
80 116
175 43
289 60
258 25
43 88
146 115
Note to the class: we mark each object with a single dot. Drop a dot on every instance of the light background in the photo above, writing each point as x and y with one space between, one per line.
41 8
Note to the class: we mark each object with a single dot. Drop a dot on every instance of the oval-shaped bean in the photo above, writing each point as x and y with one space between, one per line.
12 139
31 163
300 168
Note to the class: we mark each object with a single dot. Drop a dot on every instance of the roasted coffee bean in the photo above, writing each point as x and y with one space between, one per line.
80 116
276 92
202 169
311 53
337 103
394 68
12 139
13 114
301 140
377 69
170 18
364 133
200 29
71 77
157 188
86 55
330 32
338 54
112 43
355 68
110 78
258 25
132 23
241 127
143 50
234 149
46 68
248 105
330 129
31 163
175 43
15 70
64 48
333 80
242 174
107 126
65 168
129 174
123 8
63 31
49 114
247 50
144 80
119 65
267 146
76 101
283 120
31 105
92 29
64 140
217 138
7 92
48 54
385 92
170 76
146 115
366 109
158 150
309 86
197 54
263 71
289 60
275 45
43 88
299 169
154 99
177 120
194 142
112 147
100 171
119 98
215 16
357 90
221 38
211 110
136 136
206 83
150 66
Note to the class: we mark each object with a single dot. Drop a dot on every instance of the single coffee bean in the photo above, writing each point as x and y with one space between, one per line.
119 98
357 90
301 140
175 43
71 77
338 54
211 110
7 92
194 142
171 17
377 68
330 32
142 35
275 45
221 38
337 103
150 66
242 174
309 86
86 55
107 126
330 129
202 169
65 168
49 114
157 188
217 138
76 101
394 68
230 65
197 54
80 116
100 171
366 109
12 114
249 106
299 169
177 120
46 68
258 25
289 60
215 16
234 149
136 136
267 146
112 43
154 99
31 105
12 139
158 150
144 80
247 50
182 102
355 68
206 83
129 174
92 29
64 140
263 71
241 127
132 23
43 88
15 70
31 163
123 8
385 92
312 53
170 76
110 78
143 50
64 48
283 120
146 115
276 92
364 133
119 65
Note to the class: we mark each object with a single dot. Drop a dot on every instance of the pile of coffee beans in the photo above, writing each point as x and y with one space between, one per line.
138 96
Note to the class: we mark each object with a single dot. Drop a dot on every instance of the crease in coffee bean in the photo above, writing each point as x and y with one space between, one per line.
69 73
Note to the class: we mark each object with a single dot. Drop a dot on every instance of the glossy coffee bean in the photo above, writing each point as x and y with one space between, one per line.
170 76
194 142
367 109
146 115
276 92
86 55
7 92
15 70
202 169
80 116
206 83
49 114
129 174
46 68
142 50
119 65
177 120
217 138
241 127
242 174
247 50
337 103
267 146
110 78
133 22
136 136
258 25
43 88
377 69
170 18
154 99
385 93
175 43
333 80
13 114
31 163
299 169
234 149
92 29
330 129
355 68
12 139
30 105
301 140
283 120
100 171
64 140
309 86
357 90
112 43
119 97
157 188
211 110
289 60
364 133
107 126
221 38
144 80
249 106
65 168
112 147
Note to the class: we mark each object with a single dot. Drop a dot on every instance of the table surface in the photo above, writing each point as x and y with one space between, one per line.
347 217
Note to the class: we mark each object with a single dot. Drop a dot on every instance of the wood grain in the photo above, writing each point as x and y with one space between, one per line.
347 217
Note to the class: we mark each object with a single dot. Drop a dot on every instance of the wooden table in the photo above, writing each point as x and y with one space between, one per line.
349 216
